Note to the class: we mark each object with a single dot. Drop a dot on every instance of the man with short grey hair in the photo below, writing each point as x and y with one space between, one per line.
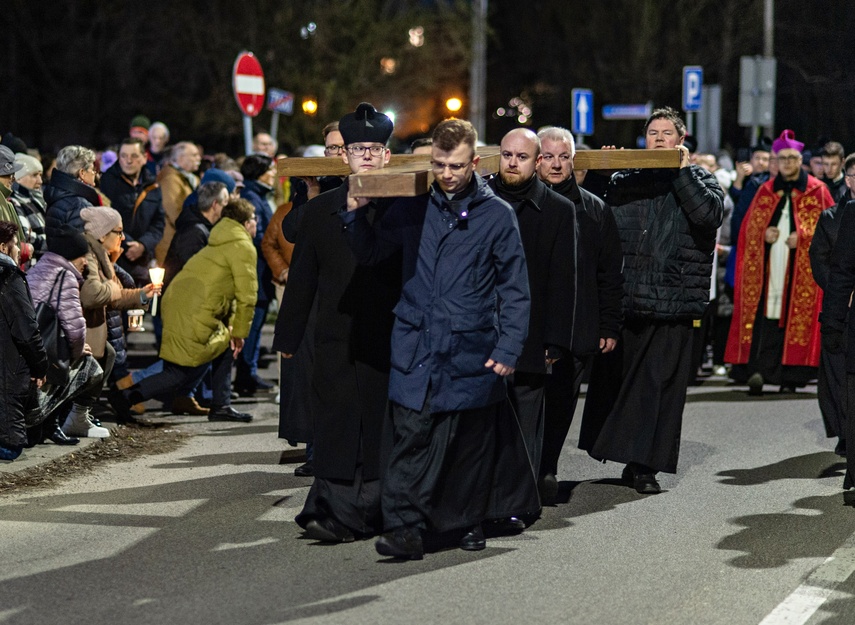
177 180
599 284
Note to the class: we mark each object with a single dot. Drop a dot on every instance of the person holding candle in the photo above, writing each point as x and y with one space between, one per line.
102 289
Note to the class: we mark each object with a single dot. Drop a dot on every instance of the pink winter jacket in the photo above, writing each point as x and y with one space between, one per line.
41 278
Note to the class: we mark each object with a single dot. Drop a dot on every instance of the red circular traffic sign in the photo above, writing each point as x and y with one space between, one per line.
248 84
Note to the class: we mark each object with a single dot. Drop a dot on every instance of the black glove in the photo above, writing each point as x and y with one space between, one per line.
832 340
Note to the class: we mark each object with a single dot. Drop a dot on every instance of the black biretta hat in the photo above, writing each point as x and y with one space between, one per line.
365 125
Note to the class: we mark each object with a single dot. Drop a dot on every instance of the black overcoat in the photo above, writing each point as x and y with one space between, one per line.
547 223
22 355
350 377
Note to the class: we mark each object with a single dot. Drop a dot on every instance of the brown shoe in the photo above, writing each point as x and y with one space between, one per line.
125 382
188 405
138 408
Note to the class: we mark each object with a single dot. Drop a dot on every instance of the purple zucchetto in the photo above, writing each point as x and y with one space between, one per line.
787 141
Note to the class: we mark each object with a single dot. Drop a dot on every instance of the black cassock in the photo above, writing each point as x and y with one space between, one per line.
350 375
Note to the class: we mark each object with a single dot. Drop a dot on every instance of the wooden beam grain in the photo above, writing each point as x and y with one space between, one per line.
407 175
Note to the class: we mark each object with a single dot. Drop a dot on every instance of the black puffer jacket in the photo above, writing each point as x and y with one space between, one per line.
22 355
66 197
667 220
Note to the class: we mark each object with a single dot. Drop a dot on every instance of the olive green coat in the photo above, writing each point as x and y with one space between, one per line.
215 289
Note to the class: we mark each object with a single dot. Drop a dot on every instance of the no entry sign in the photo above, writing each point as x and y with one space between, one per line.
248 84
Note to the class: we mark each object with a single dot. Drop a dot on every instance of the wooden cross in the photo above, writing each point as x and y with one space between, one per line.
407 175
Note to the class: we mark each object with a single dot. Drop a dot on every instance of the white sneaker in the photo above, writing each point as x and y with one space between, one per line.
276 401
79 425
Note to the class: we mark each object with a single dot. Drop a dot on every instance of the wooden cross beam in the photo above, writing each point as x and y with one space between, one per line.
407 175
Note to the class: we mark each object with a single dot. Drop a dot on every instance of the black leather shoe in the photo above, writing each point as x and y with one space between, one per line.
547 488
59 438
404 543
643 479
474 539
328 530
227 413
755 385
305 470
504 527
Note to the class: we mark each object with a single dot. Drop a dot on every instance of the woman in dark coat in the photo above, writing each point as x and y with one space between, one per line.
71 188
23 361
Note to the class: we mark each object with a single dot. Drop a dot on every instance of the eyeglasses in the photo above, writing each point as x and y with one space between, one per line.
785 159
333 149
359 150
121 233
849 175
452 167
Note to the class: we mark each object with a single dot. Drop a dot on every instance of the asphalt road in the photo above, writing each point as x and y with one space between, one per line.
752 529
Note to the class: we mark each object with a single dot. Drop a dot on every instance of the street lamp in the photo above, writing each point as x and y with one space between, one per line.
454 104
310 106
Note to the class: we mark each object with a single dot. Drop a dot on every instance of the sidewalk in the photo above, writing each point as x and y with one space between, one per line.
141 353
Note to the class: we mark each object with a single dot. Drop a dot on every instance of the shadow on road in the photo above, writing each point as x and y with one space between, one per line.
809 467
814 529
230 559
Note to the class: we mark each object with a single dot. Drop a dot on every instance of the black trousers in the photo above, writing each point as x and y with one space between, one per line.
519 439
831 392
175 377
562 395
636 414
440 468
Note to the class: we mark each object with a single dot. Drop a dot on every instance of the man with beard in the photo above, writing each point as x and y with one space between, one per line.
459 330
547 223
599 288
350 374
667 221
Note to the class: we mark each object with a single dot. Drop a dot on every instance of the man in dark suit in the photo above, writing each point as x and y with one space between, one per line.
599 288
547 225
350 375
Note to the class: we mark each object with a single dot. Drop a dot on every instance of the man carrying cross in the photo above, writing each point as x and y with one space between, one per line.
667 221
459 329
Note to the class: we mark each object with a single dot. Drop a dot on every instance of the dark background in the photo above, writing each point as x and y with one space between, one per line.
77 71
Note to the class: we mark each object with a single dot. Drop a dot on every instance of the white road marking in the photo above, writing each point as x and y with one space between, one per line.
805 600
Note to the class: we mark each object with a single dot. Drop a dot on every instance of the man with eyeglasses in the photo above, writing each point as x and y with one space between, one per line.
459 330
599 287
547 223
774 335
350 374
832 169
831 381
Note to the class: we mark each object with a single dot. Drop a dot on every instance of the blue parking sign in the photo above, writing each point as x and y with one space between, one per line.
583 112
693 81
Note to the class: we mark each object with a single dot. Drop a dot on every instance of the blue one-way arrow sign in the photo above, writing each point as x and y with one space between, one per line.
583 112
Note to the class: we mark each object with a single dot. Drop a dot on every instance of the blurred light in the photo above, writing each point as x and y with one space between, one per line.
308 30
417 36
454 104
522 119
500 111
390 115
310 106
388 65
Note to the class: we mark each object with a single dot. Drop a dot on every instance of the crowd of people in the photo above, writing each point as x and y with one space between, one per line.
433 348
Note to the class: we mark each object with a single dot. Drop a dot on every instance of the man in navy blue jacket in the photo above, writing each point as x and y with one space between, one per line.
459 329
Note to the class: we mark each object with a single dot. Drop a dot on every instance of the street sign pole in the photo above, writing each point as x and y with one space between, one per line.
247 134
274 124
